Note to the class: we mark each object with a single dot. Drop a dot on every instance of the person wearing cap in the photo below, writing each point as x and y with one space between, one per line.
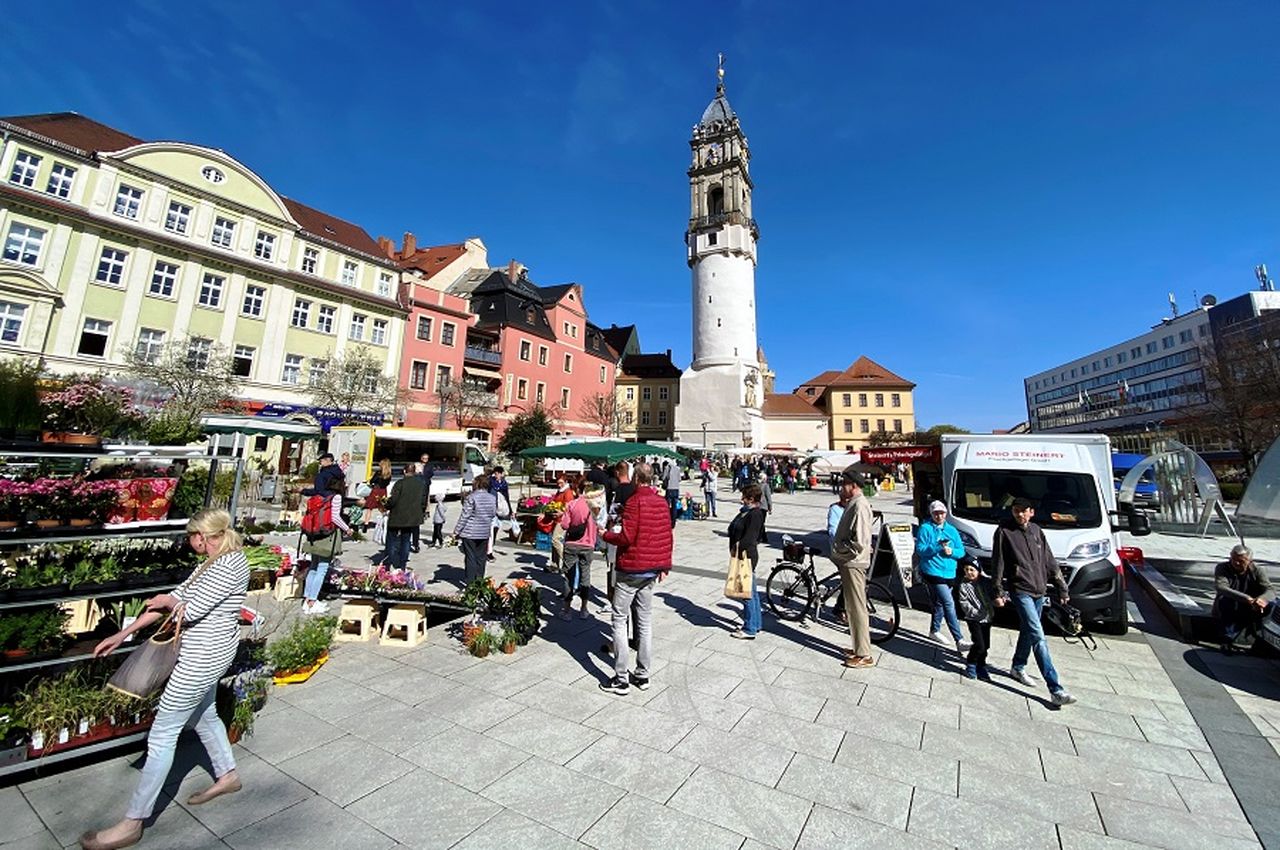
1024 566
1244 594
328 470
851 552
938 547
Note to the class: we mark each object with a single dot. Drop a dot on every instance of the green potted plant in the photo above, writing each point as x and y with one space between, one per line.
13 738
33 633
509 640
302 650
482 643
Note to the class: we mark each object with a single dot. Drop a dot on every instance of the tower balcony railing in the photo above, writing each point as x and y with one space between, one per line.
717 219
480 354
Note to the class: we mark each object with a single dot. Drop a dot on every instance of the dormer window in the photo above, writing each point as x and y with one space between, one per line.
530 315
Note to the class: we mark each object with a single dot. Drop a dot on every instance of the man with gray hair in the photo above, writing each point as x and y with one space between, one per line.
1244 595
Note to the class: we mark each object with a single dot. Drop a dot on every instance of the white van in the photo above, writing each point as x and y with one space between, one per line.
1069 478
455 459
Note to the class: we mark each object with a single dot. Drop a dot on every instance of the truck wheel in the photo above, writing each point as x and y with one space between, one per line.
1117 628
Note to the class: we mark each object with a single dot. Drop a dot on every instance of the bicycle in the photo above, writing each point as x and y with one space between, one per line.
795 593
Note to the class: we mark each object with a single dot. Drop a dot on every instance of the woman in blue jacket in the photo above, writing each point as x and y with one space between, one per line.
938 547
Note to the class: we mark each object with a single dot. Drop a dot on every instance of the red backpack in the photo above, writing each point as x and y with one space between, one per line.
317 522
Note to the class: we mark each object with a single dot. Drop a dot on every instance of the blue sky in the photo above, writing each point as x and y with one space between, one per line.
967 193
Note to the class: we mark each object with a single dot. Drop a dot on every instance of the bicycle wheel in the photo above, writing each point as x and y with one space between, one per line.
882 611
789 592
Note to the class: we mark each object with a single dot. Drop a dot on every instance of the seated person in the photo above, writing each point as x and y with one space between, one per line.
1244 595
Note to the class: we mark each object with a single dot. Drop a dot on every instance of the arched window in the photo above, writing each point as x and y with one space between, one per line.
715 201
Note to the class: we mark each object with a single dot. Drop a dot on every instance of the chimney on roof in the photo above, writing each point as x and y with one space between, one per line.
410 245
513 271
668 353
388 247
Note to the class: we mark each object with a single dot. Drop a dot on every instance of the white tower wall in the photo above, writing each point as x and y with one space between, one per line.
724 314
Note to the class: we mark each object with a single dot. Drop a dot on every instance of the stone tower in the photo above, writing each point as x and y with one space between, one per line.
722 390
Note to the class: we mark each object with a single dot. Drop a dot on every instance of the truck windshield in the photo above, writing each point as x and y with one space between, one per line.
1063 499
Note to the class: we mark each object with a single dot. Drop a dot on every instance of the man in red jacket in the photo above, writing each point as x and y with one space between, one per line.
644 557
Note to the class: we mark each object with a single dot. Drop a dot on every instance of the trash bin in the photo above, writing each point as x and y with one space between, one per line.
268 491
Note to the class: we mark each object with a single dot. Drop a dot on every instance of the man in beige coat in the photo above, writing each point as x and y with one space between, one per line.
851 552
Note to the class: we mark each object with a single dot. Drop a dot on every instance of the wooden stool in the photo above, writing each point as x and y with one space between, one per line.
411 619
357 621
287 587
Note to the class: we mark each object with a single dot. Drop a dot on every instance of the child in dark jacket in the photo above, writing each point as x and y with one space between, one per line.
973 598
437 521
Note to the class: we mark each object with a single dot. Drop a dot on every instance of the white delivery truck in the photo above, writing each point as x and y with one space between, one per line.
1069 478
455 458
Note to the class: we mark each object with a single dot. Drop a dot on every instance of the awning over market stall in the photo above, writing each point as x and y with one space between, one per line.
249 425
609 451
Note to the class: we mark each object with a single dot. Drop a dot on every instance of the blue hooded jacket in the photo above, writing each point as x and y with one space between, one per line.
929 550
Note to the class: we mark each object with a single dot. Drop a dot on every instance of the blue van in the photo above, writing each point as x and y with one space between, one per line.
1146 494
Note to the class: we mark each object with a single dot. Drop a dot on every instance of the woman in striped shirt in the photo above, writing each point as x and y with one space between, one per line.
208 606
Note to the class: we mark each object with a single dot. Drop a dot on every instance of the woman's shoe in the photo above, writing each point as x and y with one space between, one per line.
124 834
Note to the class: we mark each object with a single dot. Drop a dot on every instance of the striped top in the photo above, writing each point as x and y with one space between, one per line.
210 630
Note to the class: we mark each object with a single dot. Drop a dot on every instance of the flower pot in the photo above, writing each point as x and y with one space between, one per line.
509 648
81 439
234 733
479 651
293 677
15 656
126 507
48 523
153 497
80 522
51 436
8 524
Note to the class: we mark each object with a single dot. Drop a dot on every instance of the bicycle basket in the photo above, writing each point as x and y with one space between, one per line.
793 552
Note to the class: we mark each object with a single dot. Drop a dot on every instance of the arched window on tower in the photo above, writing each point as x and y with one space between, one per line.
715 201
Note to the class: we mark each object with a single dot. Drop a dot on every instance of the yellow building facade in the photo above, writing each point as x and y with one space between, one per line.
864 399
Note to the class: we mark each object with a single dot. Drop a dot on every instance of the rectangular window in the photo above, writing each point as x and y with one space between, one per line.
862 399
1122 357
631 393
1135 352
11 317
1186 336
604 374
444 377
292 373
150 344
847 399
662 417
253 298
25 166
526 350
60 180
1167 342
848 426
896 400
1151 347
348 273
224 232
198 349
1204 331
542 355
264 246
864 425
522 389
111 266
1106 362
93 338
644 417
211 291
540 393
379 334
568 362
564 398
880 401
128 202
301 313
178 218
310 258
897 426
324 320
646 393
418 375
880 425
242 361
356 331
23 244
384 284
316 371
664 393
447 331
424 328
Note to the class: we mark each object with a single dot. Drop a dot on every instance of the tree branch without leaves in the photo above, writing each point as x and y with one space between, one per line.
601 410
355 382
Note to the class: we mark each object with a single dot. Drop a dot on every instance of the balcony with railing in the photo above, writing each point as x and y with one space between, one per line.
481 354
718 219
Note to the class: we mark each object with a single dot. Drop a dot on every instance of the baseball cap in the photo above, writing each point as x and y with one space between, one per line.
855 478
326 456
936 506
1023 502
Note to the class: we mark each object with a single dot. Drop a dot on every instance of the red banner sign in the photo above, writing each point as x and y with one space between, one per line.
901 454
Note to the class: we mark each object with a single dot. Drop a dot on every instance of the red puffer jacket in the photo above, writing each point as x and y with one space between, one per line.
645 543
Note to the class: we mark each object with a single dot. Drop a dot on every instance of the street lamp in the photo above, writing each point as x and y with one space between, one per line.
704 434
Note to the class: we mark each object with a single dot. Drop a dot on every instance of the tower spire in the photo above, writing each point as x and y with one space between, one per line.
720 73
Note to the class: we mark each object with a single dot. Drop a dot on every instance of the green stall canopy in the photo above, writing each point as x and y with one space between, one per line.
609 451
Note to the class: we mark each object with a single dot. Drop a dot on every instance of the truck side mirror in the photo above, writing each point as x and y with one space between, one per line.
1139 523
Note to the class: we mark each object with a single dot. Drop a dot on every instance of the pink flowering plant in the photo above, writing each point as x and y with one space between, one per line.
89 405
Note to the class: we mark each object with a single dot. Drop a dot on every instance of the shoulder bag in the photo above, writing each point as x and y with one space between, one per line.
738 583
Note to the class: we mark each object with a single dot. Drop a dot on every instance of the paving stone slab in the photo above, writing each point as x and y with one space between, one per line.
18 817
735 754
1033 797
422 810
700 679
749 669
966 823
558 667
986 696
658 730
637 823
313 824
512 831
810 684
1163 692
1124 704
334 699
976 749
769 816
394 728
1176 761
908 705
441 660
410 685
828 662
1081 839
505 680
1083 717
552 738
633 768
828 828
1173 734
871 723
554 796
1208 764
890 761
572 702
1026 733
281 736
704 709
1113 779
1216 804
42 840
894 680
471 707
355 664
1161 827
802 706
838 786
467 758
778 729
267 790
345 770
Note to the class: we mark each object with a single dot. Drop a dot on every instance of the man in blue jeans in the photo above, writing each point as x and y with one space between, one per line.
1024 565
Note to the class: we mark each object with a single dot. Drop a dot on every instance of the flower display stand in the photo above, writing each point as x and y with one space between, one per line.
407 620
358 620
296 677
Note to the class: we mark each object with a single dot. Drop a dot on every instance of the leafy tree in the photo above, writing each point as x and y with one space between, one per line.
601 410
185 379
355 382
525 430
468 403
1241 394
930 437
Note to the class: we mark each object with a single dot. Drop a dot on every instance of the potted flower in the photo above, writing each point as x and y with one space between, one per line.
85 408
482 642
40 632
297 655
13 503
509 639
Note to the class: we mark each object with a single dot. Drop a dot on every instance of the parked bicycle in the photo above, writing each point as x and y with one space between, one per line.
795 593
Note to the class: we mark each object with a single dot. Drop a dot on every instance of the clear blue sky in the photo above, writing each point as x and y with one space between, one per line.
966 192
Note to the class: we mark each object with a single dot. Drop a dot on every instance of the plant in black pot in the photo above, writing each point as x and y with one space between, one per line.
31 635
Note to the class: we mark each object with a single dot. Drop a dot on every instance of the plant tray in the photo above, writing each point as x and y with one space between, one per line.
298 676
93 736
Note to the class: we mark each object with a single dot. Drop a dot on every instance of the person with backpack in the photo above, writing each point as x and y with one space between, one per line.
404 516
322 530
328 469
579 522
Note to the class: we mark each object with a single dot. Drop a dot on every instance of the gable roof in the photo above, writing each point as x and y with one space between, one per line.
90 138
650 366
551 295
497 301
824 379
789 405
433 259
865 372
623 339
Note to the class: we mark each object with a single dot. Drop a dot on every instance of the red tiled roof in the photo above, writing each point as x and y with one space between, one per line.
789 405
866 372
431 260
79 132
823 380
91 137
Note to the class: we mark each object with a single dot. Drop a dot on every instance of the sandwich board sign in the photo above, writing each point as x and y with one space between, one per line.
894 550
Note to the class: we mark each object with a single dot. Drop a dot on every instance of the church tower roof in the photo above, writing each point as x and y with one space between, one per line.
718 110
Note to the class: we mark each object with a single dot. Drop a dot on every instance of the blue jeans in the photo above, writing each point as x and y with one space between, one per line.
161 742
398 542
944 606
315 580
751 607
710 497
1031 639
